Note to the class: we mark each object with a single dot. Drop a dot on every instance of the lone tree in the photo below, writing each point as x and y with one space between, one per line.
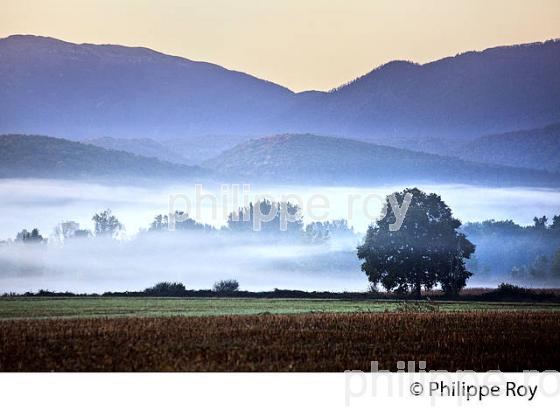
540 223
106 224
426 250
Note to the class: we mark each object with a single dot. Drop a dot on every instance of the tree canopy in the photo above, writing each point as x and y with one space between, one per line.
268 217
180 221
425 251
29 237
106 224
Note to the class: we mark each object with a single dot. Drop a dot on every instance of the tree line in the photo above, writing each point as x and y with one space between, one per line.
431 248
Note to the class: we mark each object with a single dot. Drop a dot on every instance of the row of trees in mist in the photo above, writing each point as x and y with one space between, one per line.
242 221
107 225
527 254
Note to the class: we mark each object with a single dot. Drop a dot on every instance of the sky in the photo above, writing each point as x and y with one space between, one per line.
301 44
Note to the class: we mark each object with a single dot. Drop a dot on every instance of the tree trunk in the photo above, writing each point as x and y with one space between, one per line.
418 291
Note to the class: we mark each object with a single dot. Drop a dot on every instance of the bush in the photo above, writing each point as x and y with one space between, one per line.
166 289
226 286
506 289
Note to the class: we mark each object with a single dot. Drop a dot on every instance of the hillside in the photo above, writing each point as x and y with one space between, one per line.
197 150
48 86
536 149
58 88
315 159
45 157
144 147
474 93
175 150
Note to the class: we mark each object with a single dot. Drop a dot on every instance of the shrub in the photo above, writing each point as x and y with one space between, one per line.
507 289
166 289
226 286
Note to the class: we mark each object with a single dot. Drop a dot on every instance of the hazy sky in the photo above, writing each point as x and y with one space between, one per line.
302 44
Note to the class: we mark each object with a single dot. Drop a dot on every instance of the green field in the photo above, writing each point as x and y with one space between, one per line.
82 307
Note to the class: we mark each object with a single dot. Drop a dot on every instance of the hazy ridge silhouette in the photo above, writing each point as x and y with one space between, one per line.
57 88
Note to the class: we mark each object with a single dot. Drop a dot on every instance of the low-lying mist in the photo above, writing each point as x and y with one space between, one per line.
140 259
194 258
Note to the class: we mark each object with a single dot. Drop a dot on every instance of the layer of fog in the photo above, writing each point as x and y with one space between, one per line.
45 203
139 261
196 259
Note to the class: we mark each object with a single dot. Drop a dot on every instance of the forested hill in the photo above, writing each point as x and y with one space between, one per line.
47 157
536 148
312 159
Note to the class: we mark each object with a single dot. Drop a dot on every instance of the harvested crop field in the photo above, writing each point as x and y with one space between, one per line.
508 341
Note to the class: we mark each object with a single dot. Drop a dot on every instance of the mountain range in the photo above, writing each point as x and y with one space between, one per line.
302 159
132 112
82 91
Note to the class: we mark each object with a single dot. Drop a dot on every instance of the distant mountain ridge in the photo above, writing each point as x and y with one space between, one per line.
471 94
311 159
140 146
35 156
535 148
301 159
175 150
48 86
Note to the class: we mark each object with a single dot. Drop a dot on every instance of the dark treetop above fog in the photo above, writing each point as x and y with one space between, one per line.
57 88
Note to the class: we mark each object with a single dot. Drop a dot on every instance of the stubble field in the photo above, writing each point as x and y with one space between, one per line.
481 340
